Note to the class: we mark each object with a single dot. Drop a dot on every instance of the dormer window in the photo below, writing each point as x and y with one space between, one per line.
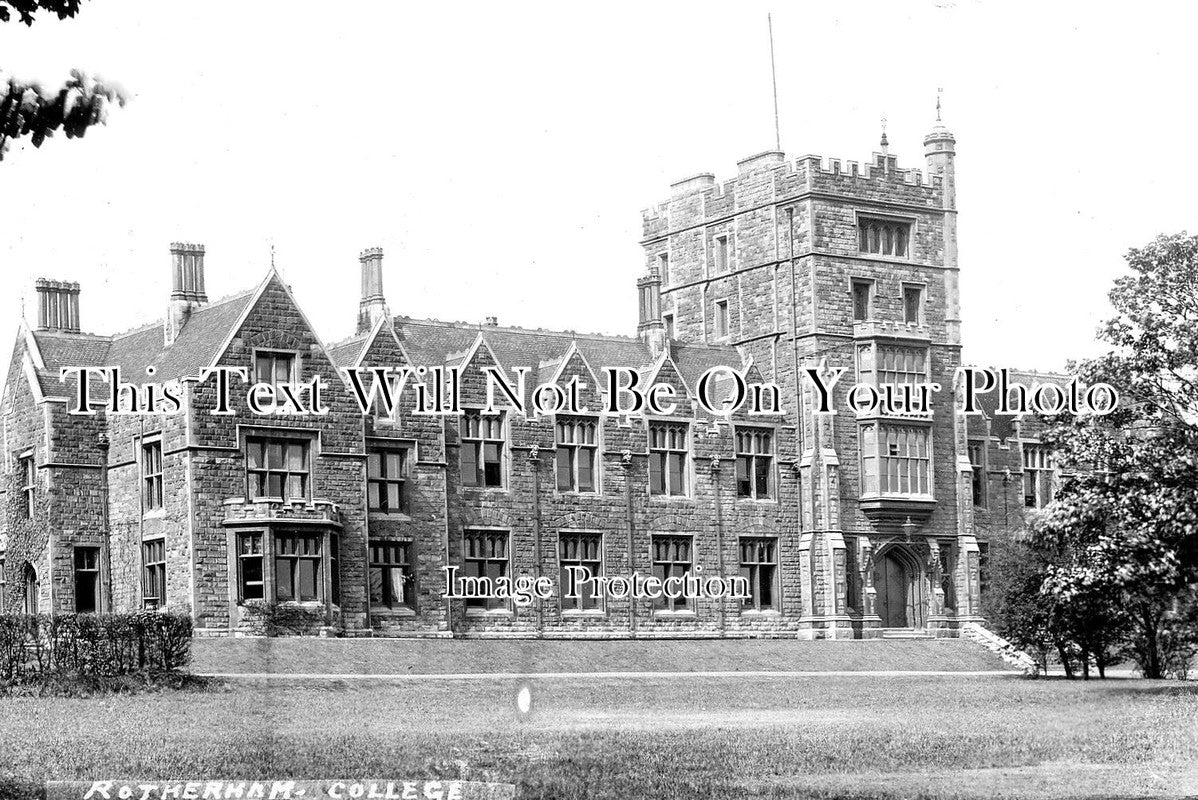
883 237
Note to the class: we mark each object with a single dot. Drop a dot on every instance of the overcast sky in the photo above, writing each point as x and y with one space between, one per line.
501 154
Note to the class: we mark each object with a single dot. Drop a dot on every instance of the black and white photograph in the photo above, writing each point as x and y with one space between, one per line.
538 401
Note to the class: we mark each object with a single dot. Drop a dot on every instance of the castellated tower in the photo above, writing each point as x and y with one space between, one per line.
818 264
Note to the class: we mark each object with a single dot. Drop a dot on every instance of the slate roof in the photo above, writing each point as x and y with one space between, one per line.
428 343
431 342
195 347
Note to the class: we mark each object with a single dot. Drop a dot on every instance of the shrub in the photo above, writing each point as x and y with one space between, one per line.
286 619
37 648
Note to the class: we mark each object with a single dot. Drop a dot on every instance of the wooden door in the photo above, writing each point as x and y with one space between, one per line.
893 585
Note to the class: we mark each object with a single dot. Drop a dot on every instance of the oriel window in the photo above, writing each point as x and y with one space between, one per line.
297 567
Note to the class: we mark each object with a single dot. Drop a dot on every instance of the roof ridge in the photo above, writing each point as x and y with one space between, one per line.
459 325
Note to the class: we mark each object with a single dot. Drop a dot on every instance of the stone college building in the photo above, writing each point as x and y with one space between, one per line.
842 525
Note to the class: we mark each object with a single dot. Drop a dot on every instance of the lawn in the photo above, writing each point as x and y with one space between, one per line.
831 736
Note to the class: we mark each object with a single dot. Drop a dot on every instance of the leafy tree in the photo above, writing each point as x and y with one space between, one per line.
1120 537
28 109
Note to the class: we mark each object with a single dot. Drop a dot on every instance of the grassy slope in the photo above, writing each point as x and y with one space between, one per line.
660 738
403 656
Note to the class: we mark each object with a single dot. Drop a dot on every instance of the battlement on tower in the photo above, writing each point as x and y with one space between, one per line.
768 178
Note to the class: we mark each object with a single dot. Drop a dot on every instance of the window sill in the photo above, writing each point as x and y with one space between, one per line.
578 493
490 612
584 612
672 498
662 612
157 513
762 501
760 612
390 516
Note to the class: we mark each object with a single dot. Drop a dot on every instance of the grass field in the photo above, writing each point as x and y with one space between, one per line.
858 736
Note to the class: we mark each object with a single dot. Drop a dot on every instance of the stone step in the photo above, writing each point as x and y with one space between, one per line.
905 633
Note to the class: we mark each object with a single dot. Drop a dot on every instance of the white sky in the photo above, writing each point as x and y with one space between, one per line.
501 154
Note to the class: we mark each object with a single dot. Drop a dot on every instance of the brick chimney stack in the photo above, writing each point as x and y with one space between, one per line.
373 305
57 306
187 287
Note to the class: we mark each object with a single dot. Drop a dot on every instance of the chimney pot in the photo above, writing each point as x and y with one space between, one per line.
57 305
373 304
188 291
493 322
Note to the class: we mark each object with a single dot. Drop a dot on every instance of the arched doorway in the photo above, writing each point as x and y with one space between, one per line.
29 578
898 581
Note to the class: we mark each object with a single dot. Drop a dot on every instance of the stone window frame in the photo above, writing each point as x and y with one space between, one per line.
771 495
480 441
296 364
1038 465
723 305
27 469
753 604
149 480
921 301
666 606
407 567
663 267
668 321
575 608
153 572
722 253
3 586
311 440
384 447
862 217
489 606
979 472
870 285
91 568
574 449
687 476
254 553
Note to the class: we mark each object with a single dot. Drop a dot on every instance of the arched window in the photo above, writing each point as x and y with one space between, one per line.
29 576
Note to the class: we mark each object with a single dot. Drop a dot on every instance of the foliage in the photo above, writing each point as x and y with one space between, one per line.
285 619
28 109
1119 540
26 9
38 648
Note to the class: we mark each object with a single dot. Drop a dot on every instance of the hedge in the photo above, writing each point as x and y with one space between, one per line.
39 647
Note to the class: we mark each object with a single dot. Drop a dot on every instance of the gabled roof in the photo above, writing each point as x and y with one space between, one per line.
196 347
432 342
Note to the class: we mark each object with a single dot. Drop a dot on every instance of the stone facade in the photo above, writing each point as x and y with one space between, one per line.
349 521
